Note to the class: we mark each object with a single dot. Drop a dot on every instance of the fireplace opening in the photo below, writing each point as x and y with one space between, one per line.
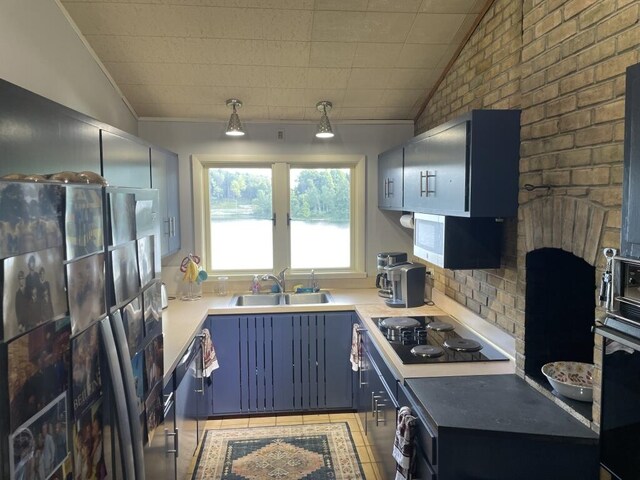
559 314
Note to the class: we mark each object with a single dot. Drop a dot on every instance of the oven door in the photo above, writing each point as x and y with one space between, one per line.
620 418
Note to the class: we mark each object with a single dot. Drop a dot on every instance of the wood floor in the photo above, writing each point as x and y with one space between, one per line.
367 459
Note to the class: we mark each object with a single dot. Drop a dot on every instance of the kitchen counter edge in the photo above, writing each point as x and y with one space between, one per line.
182 320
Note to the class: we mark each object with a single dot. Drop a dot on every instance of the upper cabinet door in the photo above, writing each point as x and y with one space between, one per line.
164 178
415 162
125 162
467 167
444 178
390 189
39 136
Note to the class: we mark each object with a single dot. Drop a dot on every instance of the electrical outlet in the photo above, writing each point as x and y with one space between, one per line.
280 135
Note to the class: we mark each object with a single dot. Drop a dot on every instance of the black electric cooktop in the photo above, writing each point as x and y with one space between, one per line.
435 339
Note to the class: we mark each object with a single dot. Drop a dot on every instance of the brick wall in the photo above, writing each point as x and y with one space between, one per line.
562 62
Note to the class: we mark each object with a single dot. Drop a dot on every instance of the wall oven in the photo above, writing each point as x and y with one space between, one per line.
620 415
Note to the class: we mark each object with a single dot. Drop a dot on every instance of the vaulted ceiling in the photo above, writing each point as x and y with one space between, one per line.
373 59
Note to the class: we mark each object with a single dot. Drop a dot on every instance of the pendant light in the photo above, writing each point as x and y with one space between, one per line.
234 128
324 127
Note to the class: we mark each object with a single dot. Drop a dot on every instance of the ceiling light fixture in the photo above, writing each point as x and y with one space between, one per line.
234 128
324 127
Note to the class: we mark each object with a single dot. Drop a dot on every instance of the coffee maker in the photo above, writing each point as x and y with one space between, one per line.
386 259
407 285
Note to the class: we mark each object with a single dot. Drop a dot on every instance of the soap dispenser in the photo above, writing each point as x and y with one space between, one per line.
255 284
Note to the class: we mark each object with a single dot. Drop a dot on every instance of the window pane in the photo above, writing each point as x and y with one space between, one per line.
241 211
320 217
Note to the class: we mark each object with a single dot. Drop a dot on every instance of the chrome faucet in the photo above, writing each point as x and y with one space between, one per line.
279 279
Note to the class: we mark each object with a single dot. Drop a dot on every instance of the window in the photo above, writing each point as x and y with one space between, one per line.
261 214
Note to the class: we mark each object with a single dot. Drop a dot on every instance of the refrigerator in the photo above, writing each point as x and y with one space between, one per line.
81 345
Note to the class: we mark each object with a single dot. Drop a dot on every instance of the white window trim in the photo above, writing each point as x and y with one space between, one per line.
199 164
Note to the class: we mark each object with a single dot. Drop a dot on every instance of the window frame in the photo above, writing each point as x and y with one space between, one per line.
280 165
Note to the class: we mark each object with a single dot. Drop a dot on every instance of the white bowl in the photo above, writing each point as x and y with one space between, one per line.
571 379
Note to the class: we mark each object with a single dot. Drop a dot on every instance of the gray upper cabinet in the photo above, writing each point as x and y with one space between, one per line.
390 165
467 167
164 177
125 161
39 136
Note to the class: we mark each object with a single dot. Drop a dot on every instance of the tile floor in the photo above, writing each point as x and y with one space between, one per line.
359 439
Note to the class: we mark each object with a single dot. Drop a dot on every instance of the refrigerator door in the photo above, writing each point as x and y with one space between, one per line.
124 432
120 339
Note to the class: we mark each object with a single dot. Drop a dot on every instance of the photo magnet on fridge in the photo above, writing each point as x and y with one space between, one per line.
33 291
86 377
137 365
146 256
152 299
38 366
133 324
86 291
88 448
126 281
123 217
154 410
83 221
145 218
154 361
31 217
39 447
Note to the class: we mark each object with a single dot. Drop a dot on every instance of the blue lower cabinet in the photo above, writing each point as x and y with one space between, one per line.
337 368
225 388
282 363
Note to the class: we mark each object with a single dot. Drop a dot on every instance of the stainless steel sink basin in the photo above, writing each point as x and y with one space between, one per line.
307 298
256 299
270 299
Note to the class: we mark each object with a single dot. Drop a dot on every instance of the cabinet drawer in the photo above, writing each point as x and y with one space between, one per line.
423 470
426 438
385 372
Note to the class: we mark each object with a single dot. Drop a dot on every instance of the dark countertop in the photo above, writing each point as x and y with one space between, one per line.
499 403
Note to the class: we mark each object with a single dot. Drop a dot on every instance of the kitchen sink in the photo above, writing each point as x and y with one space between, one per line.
306 298
256 299
270 299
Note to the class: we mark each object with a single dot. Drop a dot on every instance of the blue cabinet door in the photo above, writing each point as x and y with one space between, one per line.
225 388
255 364
337 346
283 362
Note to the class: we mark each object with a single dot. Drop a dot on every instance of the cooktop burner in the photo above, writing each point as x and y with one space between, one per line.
462 345
430 351
435 339
400 322
439 326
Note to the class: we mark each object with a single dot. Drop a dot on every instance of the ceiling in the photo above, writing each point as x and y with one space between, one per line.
373 59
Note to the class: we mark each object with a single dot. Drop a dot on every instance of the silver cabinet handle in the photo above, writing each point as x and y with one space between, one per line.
389 189
167 230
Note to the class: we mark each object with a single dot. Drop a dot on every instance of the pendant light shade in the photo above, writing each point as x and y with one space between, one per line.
234 128
324 127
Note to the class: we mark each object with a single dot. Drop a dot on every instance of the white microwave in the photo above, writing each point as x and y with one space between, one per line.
428 238
457 243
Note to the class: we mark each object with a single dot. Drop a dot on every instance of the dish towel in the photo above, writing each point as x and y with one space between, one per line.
209 353
403 443
354 356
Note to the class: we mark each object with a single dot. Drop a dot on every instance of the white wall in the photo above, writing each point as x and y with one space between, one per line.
41 52
383 232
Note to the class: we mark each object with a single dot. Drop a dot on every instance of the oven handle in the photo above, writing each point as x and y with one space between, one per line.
617 336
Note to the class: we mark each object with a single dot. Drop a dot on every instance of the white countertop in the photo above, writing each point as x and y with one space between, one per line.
183 319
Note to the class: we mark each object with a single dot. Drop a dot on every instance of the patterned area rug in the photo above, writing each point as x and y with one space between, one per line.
289 452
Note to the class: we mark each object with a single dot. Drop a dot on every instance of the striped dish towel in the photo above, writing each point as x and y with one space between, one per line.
403 443
209 353
354 356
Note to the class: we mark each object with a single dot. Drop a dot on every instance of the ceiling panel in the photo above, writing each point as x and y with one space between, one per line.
373 59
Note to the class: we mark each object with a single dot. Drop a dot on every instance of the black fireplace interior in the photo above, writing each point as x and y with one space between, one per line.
559 314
